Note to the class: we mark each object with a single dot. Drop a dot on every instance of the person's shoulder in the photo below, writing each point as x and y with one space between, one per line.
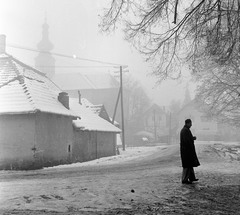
183 129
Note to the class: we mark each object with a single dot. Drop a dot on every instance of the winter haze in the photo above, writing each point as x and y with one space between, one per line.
73 30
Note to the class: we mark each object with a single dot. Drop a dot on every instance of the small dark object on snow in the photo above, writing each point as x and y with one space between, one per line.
45 197
132 190
186 182
132 200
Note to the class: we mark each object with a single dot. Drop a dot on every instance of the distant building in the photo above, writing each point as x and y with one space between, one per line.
155 121
35 120
204 127
153 127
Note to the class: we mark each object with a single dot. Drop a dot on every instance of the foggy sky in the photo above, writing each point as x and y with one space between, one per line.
73 30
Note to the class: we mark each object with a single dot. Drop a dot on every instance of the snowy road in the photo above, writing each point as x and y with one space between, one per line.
134 180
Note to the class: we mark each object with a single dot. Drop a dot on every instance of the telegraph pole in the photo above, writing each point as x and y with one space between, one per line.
122 111
120 95
116 105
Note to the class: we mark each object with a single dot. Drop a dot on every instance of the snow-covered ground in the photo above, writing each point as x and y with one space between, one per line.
39 190
144 175
132 153
129 154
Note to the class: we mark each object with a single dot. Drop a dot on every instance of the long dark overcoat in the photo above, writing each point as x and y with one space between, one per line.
187 149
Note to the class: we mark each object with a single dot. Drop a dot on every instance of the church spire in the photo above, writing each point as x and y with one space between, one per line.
45 62
45 44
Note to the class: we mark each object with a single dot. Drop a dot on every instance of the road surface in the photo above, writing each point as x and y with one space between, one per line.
149 184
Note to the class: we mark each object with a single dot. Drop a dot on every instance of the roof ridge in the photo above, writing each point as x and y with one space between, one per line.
28 95
13 65
98 105
34 70
19 78
27 66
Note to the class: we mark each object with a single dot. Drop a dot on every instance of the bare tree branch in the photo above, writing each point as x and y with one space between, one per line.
204 34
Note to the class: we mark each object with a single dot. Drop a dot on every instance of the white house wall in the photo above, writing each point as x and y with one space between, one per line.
90 145
17 138
54 137
80 146
106 144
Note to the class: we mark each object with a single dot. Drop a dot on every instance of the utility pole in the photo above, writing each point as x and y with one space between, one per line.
122 111
120 93
170 121
116 105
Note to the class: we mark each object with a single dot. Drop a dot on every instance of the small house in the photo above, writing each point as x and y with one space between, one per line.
94 137
35 120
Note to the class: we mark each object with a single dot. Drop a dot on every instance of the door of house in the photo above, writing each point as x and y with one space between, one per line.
92 145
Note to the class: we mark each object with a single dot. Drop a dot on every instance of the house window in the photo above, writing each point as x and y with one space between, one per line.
69 148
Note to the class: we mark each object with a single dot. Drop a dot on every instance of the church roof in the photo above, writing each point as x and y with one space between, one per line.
78 81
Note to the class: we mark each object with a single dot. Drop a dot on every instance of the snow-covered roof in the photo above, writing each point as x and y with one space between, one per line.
24 89
89 120
86 102
115 122
78 81
96 108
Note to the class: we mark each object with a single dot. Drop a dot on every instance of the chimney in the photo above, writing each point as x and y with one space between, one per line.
2 44
64 99
79 97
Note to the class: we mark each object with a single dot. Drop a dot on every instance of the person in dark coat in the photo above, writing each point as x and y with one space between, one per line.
188 153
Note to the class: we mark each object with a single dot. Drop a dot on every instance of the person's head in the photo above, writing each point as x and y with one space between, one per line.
188 123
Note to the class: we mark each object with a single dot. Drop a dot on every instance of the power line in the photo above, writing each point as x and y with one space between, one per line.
63 55
73 67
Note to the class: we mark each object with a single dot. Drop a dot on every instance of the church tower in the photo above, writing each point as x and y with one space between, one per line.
45 62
